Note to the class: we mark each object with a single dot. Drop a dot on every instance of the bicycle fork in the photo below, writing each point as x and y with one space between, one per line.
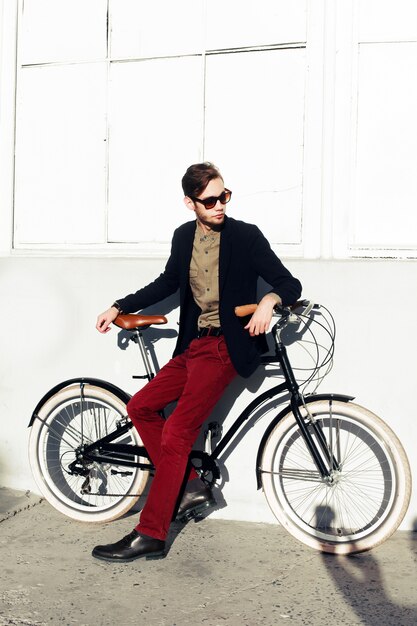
311 430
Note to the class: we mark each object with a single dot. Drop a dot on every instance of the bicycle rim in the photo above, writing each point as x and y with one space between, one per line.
365 501
64 423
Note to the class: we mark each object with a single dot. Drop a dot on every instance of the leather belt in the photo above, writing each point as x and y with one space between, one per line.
210 331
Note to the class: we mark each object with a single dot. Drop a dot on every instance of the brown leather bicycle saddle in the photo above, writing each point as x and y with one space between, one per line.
130 321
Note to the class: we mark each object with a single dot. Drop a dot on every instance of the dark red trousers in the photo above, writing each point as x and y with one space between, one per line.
197 379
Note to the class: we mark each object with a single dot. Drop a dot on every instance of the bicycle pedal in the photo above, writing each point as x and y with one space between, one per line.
188 516
196 517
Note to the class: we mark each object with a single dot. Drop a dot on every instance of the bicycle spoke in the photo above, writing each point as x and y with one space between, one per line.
296 474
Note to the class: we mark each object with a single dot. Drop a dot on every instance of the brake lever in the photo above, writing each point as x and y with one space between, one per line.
287 316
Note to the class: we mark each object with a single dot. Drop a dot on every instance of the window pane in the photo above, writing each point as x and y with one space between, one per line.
63 30
384 214
387 20
155 133
254 133
60 154
243 23
140 28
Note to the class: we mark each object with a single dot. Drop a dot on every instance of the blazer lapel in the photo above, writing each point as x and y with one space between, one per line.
226 243
186 251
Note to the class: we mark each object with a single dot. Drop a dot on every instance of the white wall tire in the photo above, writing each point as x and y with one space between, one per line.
369 497
56 434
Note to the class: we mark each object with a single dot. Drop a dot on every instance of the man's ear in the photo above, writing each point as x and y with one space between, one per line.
189 203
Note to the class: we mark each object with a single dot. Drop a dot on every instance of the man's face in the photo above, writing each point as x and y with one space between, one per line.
209 218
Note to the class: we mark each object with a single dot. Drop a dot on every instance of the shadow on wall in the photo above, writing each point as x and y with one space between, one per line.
220 412
153 334
240 385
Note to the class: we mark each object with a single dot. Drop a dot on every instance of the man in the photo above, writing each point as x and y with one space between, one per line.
215 263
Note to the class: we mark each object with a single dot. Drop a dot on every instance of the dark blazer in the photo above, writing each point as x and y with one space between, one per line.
245 255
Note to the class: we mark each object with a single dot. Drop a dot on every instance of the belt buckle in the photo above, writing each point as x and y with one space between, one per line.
207 331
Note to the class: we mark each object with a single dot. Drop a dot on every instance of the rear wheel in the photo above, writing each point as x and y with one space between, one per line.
363 503
64 423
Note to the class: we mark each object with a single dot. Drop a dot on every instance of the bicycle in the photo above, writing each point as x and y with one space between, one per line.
333 473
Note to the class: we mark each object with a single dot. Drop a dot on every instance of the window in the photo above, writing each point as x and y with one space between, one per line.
110 114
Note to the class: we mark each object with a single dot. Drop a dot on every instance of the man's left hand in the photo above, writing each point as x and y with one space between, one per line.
261 319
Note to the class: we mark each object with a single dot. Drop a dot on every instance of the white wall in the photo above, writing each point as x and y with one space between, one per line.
48 335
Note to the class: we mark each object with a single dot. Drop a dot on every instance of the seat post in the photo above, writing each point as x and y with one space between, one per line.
144 354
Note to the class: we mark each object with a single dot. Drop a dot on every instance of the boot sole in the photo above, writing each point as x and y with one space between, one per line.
148 557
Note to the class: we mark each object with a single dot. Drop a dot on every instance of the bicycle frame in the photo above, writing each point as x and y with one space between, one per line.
102 450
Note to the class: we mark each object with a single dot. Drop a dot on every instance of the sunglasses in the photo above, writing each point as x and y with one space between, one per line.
210 203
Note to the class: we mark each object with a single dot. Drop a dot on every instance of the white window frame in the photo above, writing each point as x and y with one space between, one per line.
341 196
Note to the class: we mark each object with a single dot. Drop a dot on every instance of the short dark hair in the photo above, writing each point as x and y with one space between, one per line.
197 177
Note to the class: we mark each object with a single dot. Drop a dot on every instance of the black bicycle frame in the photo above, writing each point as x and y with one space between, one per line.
94 451
98 450
121 451
296 401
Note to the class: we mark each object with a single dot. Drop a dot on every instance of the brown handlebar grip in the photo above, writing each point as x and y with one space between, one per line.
245 309
248 309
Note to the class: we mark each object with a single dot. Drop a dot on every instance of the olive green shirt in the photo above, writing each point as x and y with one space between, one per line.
204 276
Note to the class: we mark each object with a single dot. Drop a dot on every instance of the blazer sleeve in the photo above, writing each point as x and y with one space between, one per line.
272 270
165 285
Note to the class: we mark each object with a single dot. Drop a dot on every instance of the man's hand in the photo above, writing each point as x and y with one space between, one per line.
261 319
105 319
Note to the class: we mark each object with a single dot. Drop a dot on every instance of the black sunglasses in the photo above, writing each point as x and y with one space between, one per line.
210 203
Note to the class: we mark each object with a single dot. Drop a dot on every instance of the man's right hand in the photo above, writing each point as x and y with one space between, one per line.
105 319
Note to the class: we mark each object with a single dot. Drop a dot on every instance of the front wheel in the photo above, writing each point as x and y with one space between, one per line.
362 503
63 425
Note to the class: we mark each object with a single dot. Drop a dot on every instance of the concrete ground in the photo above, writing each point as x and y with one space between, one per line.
217 573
